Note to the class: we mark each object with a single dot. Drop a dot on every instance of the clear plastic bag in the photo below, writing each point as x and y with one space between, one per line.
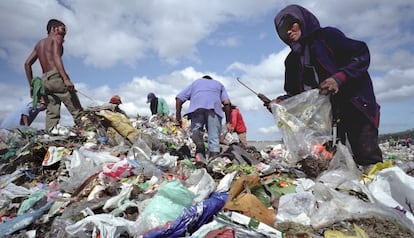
304 120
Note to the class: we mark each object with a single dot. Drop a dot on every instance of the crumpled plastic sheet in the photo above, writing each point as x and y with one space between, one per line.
12 191
9 178
192 217
116 201
296 207
342 172
20 222
335 206
394 188
104 225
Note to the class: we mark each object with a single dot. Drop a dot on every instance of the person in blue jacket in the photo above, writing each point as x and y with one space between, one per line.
323 57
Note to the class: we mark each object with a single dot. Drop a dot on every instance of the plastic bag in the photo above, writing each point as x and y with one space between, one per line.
201 184
392 187
304 120
192 218
335 206
167 205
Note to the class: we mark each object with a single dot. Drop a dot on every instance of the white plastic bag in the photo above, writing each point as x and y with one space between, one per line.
201 184
304 120
392 187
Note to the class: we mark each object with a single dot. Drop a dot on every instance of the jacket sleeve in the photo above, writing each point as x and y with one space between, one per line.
352 56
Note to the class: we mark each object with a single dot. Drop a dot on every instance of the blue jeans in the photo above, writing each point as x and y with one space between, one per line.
212 122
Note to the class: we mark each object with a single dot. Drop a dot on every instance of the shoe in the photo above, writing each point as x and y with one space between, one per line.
59 130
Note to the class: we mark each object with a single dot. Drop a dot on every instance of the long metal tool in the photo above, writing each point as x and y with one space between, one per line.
83 94
262 97
246 86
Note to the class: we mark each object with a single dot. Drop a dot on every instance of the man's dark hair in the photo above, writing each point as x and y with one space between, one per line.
207 77
53 23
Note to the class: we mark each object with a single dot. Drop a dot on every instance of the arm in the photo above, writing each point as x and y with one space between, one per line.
351 56
25 120
227 112
57 52
234 115
154 106
28 69
178 107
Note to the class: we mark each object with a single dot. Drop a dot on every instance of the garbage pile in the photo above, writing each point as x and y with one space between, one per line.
114 176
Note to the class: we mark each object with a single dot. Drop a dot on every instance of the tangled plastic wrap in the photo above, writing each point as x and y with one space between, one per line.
304 120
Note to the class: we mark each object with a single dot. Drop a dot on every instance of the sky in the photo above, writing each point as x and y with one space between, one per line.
132 47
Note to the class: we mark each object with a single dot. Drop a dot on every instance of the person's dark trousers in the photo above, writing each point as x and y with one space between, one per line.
362 136
198 121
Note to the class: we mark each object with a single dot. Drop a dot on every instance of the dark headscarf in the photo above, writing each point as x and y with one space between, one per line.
291 14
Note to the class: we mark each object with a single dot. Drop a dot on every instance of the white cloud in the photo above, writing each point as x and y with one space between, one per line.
104 35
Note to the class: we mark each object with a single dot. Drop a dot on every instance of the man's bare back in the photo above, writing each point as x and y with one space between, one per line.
44 50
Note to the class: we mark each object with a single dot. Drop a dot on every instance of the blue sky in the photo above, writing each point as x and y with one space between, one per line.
132 47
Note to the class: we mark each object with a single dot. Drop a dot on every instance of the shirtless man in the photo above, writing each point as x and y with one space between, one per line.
58 86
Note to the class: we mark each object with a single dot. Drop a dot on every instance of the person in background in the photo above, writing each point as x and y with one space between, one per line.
24 115
238 126
205 112
323 57
116 101
57 84
407 142
391 141
158 106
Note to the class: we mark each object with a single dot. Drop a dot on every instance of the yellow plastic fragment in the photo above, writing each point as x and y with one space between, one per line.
359 233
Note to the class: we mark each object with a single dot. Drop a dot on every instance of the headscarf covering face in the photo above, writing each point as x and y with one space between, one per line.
295 14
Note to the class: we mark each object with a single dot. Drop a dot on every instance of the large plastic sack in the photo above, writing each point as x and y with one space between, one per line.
304 120
393 188
168 204
335 206
192 217
121 124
